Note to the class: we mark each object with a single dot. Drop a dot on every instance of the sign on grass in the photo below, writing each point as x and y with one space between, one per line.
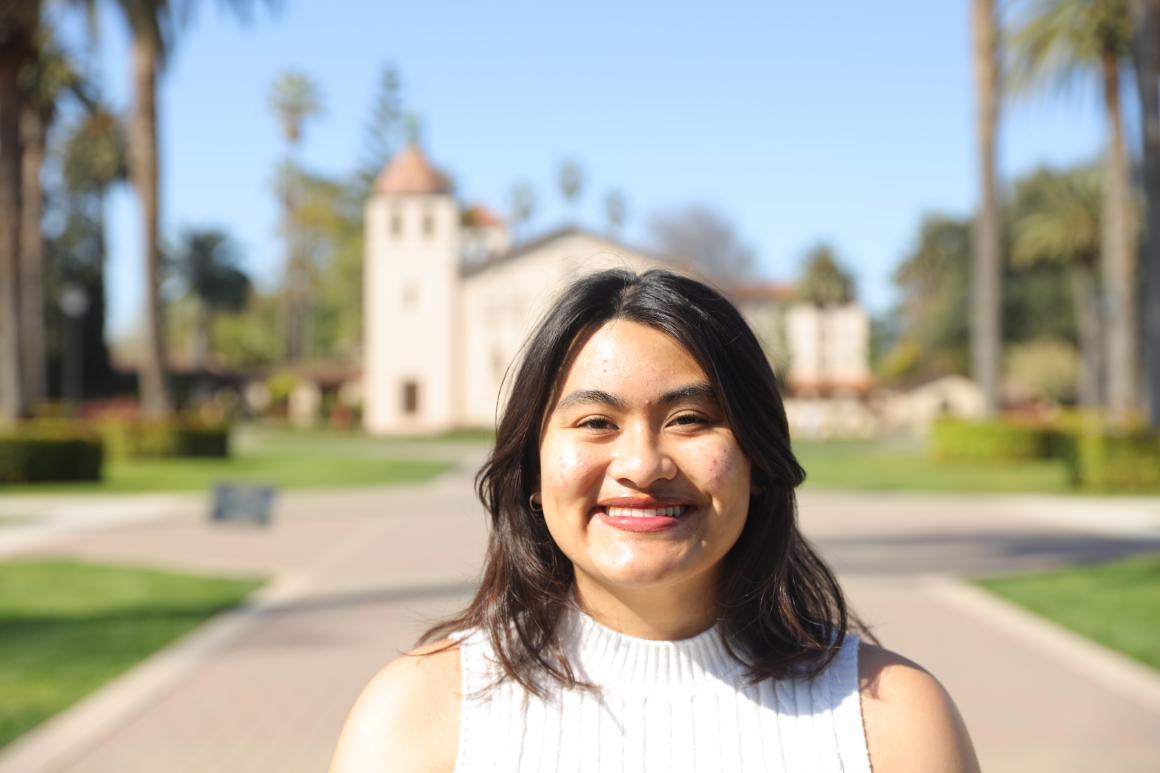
245 503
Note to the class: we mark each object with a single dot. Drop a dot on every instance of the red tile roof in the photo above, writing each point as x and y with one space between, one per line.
409 173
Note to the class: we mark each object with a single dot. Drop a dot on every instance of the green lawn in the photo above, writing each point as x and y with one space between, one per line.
893 466
1116 604
288 459
67 628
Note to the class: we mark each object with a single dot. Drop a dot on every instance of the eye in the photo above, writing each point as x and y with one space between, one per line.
598 423
689 420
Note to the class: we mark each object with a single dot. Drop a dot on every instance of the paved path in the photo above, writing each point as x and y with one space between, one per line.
358 573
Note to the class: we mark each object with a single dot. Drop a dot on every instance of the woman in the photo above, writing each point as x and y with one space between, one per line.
647 601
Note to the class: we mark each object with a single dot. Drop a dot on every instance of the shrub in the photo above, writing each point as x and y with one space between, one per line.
958 440
1101 459
163 438
50 452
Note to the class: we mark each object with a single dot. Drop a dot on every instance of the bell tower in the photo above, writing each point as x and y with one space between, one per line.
411 300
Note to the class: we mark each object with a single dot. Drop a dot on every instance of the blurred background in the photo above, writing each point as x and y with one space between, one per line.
271 261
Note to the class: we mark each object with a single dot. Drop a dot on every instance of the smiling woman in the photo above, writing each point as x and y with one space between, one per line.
648 602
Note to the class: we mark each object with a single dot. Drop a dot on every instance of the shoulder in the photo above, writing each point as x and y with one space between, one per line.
407 717
911 723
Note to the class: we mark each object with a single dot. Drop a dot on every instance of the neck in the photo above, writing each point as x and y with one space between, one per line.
663 614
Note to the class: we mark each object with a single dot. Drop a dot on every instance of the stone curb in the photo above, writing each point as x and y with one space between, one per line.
64 738
1118 673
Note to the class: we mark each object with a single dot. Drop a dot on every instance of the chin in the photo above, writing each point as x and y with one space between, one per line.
641 574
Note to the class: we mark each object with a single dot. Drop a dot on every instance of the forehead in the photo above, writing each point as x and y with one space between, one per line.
622 354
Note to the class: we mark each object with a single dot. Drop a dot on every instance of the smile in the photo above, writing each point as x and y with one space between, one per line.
642 517
675 511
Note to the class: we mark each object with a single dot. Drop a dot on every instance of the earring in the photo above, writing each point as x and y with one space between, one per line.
536 502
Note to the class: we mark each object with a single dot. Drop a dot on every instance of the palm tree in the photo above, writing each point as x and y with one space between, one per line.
152 25
207 265
986 260
1057 219
1146 53
294 98
571 182
1057 42
18 30
46 79
523 205
94 158
615 210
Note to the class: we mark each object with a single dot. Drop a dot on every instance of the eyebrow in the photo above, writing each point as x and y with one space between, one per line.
701 391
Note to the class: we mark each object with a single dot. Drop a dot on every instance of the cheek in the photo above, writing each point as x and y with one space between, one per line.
566 468
722 468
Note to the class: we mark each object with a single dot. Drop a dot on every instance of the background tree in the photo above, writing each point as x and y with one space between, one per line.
571 181
153 26
1057 43
46 81
932 316
295 99
385 131
523 206
1146 55
18 29
824 281
615 212
706 239
1057 220
986 268
206 266
92 157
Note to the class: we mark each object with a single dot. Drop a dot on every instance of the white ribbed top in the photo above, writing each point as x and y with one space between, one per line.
664 706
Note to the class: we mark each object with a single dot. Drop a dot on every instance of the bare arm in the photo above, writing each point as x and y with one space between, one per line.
407 718
912 725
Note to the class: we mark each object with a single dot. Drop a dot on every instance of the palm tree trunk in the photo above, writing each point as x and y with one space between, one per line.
986 274
201 334
15 34
155 396
1146 49
32 257
1085 300
1119 264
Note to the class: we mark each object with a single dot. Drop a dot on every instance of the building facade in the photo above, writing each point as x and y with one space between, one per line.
449 303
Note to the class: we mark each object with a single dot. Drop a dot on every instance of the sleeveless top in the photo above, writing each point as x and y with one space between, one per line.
663 706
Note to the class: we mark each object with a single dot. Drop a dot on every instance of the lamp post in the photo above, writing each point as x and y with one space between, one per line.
74 302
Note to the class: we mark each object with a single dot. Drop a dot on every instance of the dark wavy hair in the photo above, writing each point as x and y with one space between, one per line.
781 609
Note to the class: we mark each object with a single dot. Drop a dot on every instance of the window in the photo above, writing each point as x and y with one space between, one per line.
428 225
410 295
410 398
396 224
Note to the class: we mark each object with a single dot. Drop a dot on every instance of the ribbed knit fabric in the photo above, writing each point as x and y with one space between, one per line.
665 707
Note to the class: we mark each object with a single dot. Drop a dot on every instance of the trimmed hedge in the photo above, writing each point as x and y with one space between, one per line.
32 455
956 440
152 439
1105 460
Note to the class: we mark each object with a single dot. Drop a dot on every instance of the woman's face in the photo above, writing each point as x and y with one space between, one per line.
643 483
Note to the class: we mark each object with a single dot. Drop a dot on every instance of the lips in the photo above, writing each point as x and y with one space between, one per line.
641 514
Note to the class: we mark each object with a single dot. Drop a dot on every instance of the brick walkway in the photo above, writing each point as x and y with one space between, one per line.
367 569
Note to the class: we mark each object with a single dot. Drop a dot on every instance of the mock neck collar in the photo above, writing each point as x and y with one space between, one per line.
612 659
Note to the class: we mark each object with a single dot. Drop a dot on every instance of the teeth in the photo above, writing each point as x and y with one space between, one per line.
646 512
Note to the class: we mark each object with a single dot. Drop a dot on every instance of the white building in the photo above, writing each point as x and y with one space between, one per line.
449 303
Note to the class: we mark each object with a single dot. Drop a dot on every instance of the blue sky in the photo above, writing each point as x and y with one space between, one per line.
843 121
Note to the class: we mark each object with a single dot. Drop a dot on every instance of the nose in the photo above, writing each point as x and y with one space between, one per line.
641 459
